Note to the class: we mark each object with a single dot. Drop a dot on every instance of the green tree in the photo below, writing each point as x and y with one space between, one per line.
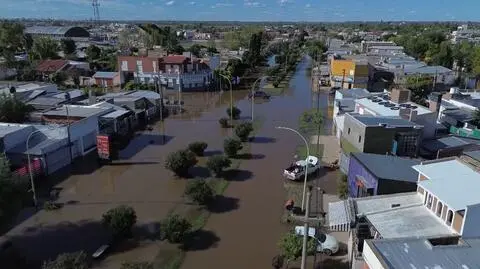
311 120
199 191
342 189
76 260
291 246
419 87
93 53
13 110
12 40
444 55
59 78
13 191
175 49
216 164
476 62
234 112
231 147
119 221
180 161
476 118
68 46
243 130
196 49
45 48
137 265
174 228
463 53
197 147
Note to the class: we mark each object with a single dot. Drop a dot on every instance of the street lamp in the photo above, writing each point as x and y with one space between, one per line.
231 95
67 97
35 202
306 161
253 91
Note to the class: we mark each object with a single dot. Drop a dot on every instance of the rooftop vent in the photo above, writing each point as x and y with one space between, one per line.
413 107
395 108
395 205
382 103
382 124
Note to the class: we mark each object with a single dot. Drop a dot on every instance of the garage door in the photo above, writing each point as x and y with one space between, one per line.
89 141
57 160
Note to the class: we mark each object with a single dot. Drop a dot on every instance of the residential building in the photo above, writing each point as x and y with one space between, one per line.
448 146
450 252
344 102
82 122
59 32
463 33
385 50
28 90
375 174
456 112
379 135
397 104
107 79
365 45
348 73
176 72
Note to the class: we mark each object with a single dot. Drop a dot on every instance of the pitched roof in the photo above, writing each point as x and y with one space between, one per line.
51 65
109 75
174 59
389 167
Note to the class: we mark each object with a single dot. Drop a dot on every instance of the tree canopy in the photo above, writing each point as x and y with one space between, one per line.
76 260
45 48
12 40
13 110
68 46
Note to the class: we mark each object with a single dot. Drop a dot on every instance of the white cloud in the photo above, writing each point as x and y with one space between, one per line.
253 4
284 2
307 5
412 11
222 5
192 3
169 3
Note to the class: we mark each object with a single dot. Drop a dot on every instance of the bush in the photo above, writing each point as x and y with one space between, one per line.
231 147
243 130
235 112
199 191
75 260
180 161
217 163
174 229
224 122
291 246
50 206
197 147
136 265
120 220
342 189
276 83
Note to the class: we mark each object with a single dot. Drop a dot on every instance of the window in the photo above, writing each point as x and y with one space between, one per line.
439 209
348 131
359 139
426 196
449 217
139 67
429 201
124 66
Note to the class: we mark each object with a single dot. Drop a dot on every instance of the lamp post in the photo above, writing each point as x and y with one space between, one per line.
67 97
231 96
35 201
253 92
306 161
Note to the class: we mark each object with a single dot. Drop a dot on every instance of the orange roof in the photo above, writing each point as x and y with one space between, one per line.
51 65
174 59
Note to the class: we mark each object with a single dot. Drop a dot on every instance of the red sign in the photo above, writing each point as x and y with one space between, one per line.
103 146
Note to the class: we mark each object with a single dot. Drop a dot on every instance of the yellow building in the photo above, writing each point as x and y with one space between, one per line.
352 72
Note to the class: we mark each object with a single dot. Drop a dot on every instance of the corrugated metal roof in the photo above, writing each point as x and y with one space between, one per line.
116 114
109 75
420 254
452 181
47 30
444 142
473 154
389 167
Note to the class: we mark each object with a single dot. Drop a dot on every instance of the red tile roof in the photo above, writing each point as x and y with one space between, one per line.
174 59
51 65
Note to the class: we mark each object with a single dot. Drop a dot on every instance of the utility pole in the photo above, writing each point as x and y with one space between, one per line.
305 227
343 78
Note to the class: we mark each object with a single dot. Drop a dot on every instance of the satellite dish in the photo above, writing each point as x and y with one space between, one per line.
13 90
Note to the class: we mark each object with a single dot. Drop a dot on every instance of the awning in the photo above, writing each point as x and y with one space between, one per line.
341 215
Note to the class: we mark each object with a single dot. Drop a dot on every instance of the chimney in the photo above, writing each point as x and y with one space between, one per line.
400 96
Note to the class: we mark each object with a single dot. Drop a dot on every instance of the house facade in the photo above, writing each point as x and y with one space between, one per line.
348 73
177 72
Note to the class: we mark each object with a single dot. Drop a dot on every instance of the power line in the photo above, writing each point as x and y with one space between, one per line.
96 12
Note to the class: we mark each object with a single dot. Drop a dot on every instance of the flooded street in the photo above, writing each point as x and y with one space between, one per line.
248 235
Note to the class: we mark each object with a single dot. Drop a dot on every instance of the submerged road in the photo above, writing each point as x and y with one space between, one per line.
248 235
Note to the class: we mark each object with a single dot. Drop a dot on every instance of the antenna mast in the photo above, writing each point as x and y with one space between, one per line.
96 12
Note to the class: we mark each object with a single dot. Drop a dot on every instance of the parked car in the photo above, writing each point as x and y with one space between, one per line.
297 169
259 94
326 243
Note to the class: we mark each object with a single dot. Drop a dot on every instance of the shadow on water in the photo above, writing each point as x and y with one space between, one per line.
238 175
223 204
200 240
210 153
250 156
262 140
142 141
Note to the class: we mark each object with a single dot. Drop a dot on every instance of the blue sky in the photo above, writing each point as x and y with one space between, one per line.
247 10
